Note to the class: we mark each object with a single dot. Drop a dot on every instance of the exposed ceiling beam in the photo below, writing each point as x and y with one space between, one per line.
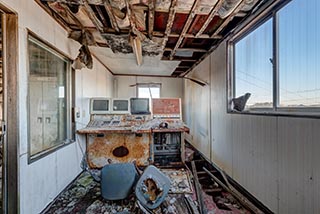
113 21
188 49
229 18
179 59
172 13
135 41
137 49
210 17
184 67
151 17
203 36
185 27
92 16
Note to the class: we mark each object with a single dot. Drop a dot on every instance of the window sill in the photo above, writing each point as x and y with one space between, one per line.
40 155
302 113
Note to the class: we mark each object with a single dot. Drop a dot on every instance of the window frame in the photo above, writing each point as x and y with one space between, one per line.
269 13
69 98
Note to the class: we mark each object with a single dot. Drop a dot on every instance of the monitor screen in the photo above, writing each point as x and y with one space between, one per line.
100 106
120 106
139 105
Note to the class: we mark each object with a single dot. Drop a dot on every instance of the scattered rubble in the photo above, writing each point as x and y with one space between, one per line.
84 196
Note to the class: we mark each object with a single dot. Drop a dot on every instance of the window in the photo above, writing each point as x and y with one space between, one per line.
149 90
277 62
48 100
299 46
253 68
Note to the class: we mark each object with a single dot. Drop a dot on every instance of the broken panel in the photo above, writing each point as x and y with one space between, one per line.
118 148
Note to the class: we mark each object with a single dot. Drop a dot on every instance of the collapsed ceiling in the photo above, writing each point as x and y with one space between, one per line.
149 37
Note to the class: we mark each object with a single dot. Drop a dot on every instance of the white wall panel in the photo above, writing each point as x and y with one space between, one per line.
221 142
275 158
299 169
255 156
198 108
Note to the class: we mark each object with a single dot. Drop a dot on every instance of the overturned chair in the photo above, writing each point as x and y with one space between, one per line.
118 180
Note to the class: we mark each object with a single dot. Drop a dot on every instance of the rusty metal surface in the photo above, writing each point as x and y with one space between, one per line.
100 150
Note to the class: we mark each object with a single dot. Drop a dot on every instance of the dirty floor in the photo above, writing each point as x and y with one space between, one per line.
83 196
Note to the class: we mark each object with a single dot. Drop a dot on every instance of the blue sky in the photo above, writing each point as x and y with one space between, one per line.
299 58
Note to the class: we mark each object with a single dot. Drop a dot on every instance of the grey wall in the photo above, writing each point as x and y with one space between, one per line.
274 158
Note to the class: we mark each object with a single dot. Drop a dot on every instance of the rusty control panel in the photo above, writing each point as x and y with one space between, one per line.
145 138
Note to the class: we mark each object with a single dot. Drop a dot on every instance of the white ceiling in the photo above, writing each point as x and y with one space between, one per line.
126 63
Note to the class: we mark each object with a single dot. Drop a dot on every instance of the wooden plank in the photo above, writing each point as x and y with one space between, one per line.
244 201
11 100
188 49
108 8
185 27
151 17
172 12
210 17
229 18
198 188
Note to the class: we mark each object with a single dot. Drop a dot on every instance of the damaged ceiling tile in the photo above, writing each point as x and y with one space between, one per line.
81 15
162 26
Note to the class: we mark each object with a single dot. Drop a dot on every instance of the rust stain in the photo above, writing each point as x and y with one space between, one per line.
100 149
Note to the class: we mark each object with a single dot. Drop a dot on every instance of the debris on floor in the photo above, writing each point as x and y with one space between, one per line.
157 191
180 180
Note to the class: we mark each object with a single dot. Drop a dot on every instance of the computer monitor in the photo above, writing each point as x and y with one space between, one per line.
139 105
120 106
100 106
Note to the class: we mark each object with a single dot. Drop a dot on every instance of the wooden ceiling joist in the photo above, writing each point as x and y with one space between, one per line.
229 18
151 17
179 59
175 35
92 16
185 27
187 49
172 13
113 21
210 17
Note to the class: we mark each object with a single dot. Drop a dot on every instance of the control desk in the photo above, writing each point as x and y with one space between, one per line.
145 139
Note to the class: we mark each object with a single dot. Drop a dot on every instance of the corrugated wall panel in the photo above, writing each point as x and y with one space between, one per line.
198 107
221 142
299 165
255 156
